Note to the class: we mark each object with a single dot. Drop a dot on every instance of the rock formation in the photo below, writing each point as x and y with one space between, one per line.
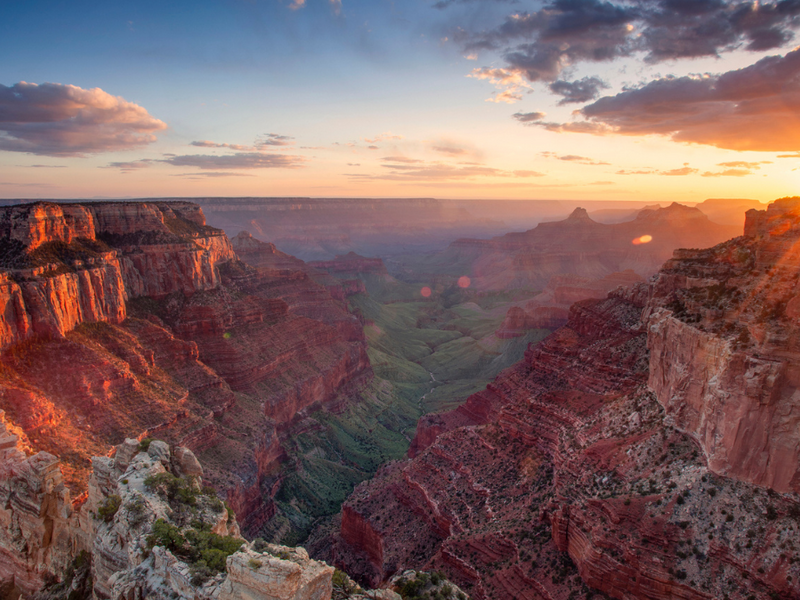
168 333
640 451
580 246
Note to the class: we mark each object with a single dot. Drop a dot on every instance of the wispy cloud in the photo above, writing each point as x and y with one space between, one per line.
510 82
679 172
383 137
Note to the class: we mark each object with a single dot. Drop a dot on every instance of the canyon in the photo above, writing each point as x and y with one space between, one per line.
587 432
646 449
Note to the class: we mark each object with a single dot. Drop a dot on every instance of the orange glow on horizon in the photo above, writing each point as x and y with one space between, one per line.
645 239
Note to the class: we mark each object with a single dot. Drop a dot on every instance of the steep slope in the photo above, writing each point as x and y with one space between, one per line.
138 318
597 462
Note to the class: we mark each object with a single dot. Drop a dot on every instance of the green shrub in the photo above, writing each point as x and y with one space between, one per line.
202 549
145 444
109 508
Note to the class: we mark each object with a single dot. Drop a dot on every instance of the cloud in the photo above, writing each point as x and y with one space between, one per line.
130 166
575 127
728 173
510 82
208 144
401 159
53 119
297 4
240 160
383 137
563 33
455 149
440 171
336 5
745 164
753 108
274 139
442 4
680 172
373 147
269 139
212 174
582 90
529 117
581 160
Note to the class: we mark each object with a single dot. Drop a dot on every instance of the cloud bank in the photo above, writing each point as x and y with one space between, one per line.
53 119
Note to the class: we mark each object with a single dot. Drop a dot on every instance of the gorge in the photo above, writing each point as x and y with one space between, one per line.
646 448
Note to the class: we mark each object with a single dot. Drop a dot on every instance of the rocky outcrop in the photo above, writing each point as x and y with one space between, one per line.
139 536
723 352
67 264
39 530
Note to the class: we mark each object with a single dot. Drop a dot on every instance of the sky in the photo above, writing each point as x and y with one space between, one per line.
655 100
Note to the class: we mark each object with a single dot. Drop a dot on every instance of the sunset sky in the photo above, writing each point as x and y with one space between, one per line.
641 99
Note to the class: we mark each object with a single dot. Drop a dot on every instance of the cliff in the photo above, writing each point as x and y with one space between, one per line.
168 333
632 452
67 264
723 350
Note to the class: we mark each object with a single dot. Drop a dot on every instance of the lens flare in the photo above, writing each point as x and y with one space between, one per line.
426 292
645 239
464 281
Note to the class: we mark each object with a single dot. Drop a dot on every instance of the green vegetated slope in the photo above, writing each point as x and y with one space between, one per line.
428 355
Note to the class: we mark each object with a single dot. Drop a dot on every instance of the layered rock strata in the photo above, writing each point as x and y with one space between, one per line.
621 454
168 334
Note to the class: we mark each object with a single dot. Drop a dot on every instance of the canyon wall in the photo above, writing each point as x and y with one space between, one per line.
639 451
67 264
723 348
168 333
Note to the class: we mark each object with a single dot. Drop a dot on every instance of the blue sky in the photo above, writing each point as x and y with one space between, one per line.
461 98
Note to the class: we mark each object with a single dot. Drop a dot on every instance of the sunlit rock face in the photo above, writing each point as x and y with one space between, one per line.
127 318
636 451
64 265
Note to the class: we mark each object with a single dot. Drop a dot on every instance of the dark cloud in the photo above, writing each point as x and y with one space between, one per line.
442 4
581 90
754 108
240 160
530 117
52 119
541 44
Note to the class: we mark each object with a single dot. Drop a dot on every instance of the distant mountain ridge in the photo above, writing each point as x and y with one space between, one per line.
580 246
